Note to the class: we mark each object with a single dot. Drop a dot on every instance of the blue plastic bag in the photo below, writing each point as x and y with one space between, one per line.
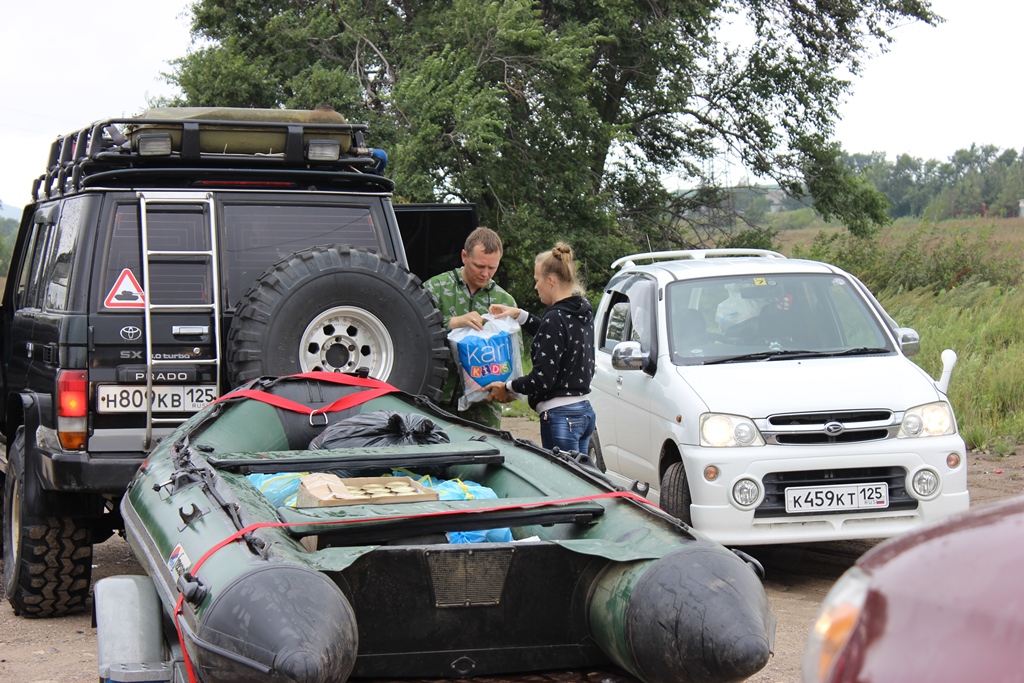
456 489
280 489
503 535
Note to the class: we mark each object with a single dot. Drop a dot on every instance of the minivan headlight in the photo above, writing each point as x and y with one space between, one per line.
719 430
930 419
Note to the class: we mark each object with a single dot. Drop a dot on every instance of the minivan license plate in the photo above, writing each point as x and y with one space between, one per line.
843 497
122 398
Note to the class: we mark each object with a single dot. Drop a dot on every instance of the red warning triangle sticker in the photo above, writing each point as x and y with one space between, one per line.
126 292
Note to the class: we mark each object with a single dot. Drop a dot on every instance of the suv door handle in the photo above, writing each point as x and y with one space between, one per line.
189 330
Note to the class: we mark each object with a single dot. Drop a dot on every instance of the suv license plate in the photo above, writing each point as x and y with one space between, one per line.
120 398
845 497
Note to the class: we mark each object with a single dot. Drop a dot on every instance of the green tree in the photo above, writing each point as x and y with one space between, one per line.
8 231
558 118
1012 192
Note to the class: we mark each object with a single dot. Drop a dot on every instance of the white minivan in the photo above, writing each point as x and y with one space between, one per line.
762 399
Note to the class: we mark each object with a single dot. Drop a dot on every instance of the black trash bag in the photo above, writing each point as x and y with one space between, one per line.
380 428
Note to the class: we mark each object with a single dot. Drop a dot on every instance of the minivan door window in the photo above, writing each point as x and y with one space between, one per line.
622 398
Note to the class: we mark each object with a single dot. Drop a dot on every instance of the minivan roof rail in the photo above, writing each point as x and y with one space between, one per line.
695 254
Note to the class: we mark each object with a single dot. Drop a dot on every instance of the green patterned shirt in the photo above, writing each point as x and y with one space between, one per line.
451 296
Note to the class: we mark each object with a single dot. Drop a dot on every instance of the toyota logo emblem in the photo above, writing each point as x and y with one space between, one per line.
130 333
834 428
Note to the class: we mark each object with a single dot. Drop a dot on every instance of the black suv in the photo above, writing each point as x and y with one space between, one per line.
167 258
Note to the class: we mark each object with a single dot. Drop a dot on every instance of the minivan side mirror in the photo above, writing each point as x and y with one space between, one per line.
910 341
628 356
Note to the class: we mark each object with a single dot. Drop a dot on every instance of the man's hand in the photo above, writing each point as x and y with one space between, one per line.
497 392
471 319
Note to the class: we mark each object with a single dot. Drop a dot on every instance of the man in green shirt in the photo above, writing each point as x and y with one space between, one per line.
463 296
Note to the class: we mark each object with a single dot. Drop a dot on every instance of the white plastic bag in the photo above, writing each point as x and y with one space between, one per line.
735 309
493 354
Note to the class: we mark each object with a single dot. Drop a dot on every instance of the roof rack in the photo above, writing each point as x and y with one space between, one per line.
213 143
694 254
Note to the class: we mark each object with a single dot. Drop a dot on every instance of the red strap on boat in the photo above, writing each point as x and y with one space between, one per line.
375 388
441 513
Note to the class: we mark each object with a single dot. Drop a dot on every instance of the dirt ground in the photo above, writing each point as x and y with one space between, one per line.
797 579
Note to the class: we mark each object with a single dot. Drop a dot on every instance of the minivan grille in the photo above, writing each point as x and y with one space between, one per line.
776 483
839 427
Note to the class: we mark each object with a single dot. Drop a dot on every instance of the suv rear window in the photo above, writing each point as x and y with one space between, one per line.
251 239
256 236
176 227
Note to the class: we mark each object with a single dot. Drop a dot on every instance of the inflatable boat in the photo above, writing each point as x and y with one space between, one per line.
542 565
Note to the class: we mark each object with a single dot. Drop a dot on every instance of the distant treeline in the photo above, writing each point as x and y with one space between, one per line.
980 181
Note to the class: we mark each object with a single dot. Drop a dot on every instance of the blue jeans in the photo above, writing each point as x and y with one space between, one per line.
568 427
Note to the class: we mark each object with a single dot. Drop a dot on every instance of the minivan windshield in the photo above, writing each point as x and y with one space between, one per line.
770 317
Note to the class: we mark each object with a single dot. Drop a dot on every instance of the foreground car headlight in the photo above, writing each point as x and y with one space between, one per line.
719 430
834 637
931 419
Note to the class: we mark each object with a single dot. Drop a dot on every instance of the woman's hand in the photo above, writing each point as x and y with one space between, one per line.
503 311
497 392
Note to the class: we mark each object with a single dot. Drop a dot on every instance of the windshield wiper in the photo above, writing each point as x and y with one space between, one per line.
768 355
790 354
860 351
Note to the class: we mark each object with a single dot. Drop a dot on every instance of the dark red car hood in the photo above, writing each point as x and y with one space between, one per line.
947 602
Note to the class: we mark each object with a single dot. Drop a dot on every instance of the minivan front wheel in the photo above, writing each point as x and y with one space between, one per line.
594 451
675 493
339 309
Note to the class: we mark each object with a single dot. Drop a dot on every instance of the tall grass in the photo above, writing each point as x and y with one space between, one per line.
984 324
960 289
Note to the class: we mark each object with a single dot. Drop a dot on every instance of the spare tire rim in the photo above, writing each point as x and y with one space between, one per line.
344 339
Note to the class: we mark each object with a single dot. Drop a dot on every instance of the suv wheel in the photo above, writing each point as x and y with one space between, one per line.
675 493
47 560
339 309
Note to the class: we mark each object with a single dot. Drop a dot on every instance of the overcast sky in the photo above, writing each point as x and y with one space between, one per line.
936 91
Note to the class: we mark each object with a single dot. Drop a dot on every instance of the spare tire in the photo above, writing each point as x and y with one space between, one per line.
339 309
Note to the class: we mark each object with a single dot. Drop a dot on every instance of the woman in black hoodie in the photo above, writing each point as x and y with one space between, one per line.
558 387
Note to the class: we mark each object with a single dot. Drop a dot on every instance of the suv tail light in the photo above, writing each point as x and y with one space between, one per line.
72 407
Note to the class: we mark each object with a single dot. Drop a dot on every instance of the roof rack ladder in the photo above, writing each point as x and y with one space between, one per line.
213 306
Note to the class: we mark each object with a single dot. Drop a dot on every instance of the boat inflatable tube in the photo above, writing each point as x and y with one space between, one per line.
278 624
697 615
